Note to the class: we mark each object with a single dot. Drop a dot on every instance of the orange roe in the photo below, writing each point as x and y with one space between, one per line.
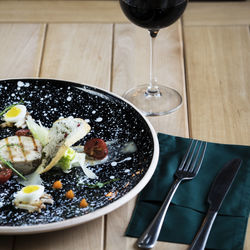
70 194
57 185
83 203
109 194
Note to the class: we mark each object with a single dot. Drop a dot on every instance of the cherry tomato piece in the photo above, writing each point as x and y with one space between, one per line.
5 174
96 148
23 132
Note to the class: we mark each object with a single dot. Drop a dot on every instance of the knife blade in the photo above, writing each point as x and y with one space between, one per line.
218 191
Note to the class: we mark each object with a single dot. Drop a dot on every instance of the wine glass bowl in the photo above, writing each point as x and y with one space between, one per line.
153 99
153 14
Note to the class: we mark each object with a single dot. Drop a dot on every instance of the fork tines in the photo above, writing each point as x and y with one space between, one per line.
194 154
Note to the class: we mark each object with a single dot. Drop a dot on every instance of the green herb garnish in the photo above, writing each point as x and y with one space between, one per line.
8 164
101 184
9 107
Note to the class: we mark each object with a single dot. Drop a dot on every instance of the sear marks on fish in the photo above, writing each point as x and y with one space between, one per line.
24 152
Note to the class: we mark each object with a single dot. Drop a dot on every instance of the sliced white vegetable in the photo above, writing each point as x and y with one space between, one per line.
89 173
79 160
38 130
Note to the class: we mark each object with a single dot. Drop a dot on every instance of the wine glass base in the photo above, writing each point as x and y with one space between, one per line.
165 101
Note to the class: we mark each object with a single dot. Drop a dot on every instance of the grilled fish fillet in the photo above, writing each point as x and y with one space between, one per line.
23 152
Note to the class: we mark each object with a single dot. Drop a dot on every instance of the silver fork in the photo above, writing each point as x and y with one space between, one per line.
187 170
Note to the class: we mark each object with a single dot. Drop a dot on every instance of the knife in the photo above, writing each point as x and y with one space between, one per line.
217 193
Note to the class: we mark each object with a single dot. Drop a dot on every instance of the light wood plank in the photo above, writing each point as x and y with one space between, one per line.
247 241
61 11
218 82
217 13
20 50
203 13
131 68
81 53
86 236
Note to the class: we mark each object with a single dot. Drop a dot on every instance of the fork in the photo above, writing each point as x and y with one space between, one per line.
187 170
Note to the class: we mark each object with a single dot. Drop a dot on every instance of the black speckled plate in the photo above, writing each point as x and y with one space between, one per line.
111 118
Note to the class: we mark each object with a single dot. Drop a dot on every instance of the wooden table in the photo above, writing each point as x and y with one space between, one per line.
206 57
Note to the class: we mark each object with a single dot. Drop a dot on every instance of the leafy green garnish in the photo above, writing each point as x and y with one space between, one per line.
101 184
8 164
65 161
10 107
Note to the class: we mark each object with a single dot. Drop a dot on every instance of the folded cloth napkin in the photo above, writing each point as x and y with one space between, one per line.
189 204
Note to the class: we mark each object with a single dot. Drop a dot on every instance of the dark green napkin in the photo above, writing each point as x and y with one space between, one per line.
189 205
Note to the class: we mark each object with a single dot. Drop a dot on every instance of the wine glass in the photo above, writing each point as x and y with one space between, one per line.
153 99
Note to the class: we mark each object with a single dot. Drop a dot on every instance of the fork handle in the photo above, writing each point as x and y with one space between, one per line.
150 236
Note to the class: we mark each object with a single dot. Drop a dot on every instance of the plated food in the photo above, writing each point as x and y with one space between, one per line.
82 152
36 149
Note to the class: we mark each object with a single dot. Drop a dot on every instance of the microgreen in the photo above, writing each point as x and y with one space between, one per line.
9 107
101 184
8 164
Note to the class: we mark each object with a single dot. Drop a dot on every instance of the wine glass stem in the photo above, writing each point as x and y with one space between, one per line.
152 89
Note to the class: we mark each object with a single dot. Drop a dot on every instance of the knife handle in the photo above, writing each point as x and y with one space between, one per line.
201 237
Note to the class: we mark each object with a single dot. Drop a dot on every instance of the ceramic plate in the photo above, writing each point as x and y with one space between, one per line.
132 144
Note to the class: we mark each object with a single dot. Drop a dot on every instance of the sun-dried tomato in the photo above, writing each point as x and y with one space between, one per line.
5 174
96 148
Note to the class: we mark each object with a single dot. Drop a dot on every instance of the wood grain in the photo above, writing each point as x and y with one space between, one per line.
86 236
61 11
205 13
247 239
131 68
217 13
218 83
79 52
20 50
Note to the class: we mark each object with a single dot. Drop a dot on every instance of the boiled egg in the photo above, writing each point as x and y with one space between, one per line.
29 194
16 115
32 198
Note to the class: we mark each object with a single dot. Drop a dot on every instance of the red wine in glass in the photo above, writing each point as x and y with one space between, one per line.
154 14
153 99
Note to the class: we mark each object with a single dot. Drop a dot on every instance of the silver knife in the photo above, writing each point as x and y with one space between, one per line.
217 193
